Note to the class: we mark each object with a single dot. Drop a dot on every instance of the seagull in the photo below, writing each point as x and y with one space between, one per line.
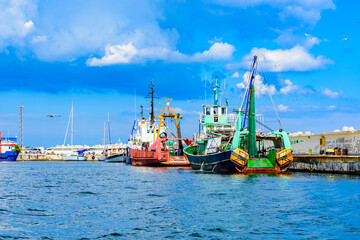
307 35
52 115
295 99
276 65
345 39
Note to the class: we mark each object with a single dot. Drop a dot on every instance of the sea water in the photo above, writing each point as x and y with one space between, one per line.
98 200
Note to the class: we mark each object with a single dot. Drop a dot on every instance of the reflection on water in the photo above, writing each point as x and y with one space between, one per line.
95 200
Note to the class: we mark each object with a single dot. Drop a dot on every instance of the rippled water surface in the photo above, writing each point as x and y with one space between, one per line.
97 200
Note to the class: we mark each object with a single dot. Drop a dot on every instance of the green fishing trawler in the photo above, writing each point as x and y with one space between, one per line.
216 127
246 151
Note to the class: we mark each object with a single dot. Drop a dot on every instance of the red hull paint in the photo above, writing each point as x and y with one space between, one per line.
143 158
152 158
176 161
155 156
260 170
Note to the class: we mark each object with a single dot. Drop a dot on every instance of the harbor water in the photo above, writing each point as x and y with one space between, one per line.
97 200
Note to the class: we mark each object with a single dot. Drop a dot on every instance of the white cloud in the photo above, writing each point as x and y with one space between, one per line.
327 92
40 38
308 11
29 25
218 51
331 107
293 36
85 30
283 108
235 75
260 87
289 87
280 60
15 21
128 53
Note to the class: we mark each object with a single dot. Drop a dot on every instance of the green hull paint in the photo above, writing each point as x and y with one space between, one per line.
260 163
252 149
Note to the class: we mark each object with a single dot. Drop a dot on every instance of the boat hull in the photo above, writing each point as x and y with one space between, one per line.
128 160
101 158
74 158
115 158
216 162
143 158
176 161
156 158
9 156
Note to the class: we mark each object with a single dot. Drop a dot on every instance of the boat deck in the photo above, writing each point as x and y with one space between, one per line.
260 163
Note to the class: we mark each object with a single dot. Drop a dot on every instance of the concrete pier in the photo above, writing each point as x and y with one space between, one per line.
326 163
48 157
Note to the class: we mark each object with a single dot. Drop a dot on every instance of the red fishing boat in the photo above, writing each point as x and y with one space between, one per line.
159 150
163 152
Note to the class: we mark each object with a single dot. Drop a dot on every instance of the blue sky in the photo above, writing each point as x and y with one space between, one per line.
99 53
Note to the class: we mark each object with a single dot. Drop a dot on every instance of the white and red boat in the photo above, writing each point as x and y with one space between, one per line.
163 152
9 151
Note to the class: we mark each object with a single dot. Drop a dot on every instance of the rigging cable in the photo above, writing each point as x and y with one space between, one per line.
267 86
264 125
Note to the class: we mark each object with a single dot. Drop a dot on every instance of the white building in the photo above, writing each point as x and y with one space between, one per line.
314 143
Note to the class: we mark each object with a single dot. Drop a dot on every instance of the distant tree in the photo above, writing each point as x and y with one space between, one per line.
17 148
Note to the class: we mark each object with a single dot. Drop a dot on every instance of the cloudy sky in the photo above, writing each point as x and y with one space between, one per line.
100 53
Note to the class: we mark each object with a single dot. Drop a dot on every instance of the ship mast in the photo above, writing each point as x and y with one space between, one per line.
216 87
252 149
152 102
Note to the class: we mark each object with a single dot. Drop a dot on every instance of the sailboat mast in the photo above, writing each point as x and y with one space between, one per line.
135 104
104 139
109 128
72 123
67 128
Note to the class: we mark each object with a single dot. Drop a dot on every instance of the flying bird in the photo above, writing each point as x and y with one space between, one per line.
307 35
276 65
52 115
345 39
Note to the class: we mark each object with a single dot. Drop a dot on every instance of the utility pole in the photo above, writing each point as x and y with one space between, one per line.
21 126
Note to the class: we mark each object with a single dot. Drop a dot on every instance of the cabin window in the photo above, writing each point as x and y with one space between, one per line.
216 119
207 111
215 110
223 110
